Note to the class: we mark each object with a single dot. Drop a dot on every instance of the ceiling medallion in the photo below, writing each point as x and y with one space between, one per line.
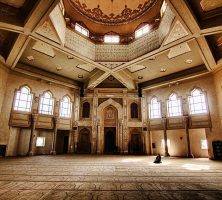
111 78
97 15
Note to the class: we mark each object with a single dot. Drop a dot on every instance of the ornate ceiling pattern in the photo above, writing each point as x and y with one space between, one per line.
112 12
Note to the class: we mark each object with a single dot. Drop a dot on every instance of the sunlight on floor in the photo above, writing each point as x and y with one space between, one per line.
132 160
195 167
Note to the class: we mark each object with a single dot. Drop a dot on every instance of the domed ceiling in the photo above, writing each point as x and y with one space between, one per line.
120 16
112 12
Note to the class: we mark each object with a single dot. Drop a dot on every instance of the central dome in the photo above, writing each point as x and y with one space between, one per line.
112 12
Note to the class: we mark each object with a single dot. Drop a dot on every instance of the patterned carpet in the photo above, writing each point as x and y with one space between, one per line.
109 177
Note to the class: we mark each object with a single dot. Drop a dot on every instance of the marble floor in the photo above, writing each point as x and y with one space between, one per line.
109 177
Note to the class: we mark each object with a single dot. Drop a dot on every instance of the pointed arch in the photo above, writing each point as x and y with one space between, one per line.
114 104
174 105
46 104
65 109
154 108
197 101
23 99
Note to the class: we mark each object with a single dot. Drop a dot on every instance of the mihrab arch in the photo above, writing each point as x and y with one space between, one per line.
114 119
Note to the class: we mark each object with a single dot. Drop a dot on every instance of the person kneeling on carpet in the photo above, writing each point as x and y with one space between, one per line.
158 159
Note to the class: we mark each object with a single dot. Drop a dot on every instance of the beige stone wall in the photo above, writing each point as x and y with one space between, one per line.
17 139
183 89
218 87
196 135
3 82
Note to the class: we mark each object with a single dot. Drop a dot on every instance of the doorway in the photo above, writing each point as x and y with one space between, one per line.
84 145
136 145
110 140
62 142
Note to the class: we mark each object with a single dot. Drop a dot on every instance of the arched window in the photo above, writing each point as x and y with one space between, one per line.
46 104
134 110
23 100
174 106
197 102
154 109
85 110
65 107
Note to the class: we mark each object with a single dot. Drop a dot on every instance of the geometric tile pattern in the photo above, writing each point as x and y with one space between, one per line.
109 177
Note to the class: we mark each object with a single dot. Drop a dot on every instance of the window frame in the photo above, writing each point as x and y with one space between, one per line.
202 146
204 95
15 95
82 29
181 105
70 104
160 108
111 37
43 141
53 103
163 8
142 29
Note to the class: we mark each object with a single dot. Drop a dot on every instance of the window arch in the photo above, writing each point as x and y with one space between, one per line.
23 99
85 110
134 110
46 103
65 107
154 109
197 102
174 106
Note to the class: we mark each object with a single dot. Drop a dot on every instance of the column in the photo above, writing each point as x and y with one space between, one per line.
95 121
150 142
165 137
75 139
33 136
125 124
71 142
121 136
98 149
189 152
54 136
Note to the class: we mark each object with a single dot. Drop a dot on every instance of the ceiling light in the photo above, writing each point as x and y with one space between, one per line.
59 68
80 76
152 58
162 69
30 58
110 78
140 77
70 57
188 61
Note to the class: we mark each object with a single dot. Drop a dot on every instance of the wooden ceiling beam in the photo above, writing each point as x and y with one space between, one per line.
98 78
35 16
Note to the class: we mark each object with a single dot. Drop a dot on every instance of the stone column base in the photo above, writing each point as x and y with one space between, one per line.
30 153
190 156
53 152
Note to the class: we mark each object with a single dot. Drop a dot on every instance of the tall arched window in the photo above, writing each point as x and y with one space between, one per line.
23 100
134 110
65 107
154 109
85 110
174 106
197 102
46 104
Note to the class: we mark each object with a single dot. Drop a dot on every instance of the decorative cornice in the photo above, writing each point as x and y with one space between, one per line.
127 14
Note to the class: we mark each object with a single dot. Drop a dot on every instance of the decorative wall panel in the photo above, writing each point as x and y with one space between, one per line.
79 44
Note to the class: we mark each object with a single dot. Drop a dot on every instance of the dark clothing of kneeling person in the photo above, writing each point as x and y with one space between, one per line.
158 159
